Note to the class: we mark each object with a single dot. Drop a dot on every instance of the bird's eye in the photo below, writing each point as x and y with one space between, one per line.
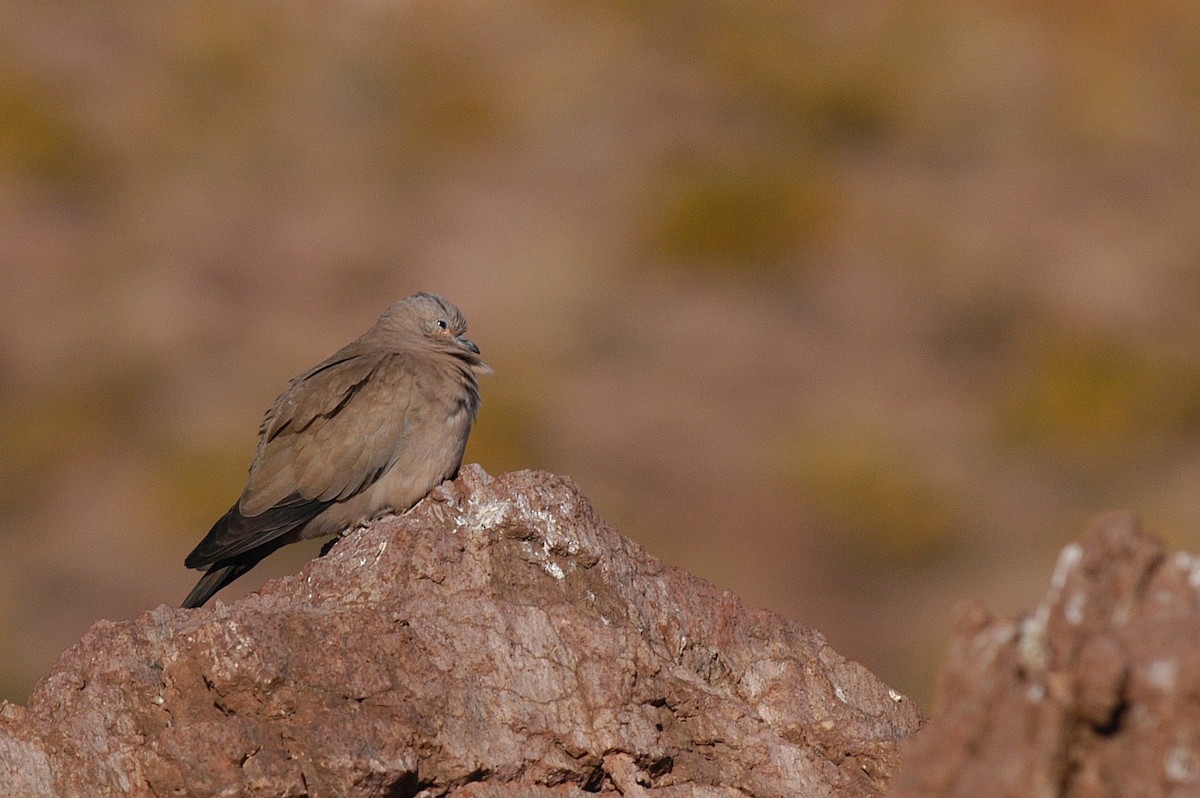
441 323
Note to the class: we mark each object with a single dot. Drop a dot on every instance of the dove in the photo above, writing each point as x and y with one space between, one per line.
370 430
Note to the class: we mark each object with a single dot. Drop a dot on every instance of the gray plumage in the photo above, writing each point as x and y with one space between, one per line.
370 430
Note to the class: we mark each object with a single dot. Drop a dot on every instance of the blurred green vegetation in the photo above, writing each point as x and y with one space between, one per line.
194 484
824 87
715 217
34 438
444 95
39 140
1097 404
41 433
874 501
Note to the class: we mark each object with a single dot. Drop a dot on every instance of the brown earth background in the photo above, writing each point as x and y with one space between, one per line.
856 309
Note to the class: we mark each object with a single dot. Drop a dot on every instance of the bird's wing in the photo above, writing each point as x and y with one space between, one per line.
234 534
337 429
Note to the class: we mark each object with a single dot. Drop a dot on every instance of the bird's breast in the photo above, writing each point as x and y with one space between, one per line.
430 452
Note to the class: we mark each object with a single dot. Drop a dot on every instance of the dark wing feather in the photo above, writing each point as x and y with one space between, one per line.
236 534
222 574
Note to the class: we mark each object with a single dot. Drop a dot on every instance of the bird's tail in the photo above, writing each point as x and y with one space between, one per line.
219 575
237 543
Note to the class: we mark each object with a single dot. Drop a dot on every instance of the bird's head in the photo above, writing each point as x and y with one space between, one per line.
432 319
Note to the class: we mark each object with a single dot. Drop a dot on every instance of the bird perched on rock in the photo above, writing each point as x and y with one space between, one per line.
370 430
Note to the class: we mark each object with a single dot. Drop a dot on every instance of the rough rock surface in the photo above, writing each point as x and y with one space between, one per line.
499 639
1096 693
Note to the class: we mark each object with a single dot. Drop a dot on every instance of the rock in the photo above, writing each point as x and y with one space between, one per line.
499 639
1096 693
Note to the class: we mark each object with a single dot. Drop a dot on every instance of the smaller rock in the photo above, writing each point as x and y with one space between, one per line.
1095 693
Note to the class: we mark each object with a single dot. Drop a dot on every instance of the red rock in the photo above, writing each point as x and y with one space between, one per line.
1096 693
499 639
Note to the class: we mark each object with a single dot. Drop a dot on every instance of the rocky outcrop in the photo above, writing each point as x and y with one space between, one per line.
1094 694
499 639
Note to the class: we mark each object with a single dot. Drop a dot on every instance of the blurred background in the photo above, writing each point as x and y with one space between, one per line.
857 309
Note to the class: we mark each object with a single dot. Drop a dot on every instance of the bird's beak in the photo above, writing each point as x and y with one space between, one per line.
477 365
466 343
